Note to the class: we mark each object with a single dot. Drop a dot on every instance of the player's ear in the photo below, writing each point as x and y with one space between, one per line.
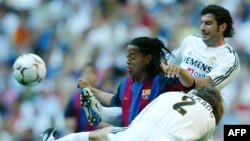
148 58
223 27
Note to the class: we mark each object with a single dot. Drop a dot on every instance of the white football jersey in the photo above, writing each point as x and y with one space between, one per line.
173 116
220 63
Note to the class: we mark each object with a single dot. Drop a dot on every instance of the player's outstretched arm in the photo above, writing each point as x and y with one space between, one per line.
175 71
185 78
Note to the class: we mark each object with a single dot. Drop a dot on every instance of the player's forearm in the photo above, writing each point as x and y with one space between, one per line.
102 96
199 82
185 78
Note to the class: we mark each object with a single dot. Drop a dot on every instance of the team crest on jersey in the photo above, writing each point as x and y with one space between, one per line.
189 53
146 93
212 61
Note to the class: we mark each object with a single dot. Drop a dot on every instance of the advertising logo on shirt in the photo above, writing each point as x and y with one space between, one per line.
206 68
194 73
212 60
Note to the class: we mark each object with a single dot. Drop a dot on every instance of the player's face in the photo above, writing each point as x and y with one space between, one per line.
90 74
136 62
209 29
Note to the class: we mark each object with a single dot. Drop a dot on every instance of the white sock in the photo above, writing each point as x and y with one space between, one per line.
112 115
82 136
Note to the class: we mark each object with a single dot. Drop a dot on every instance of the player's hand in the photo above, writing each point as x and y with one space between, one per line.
83 83
170 70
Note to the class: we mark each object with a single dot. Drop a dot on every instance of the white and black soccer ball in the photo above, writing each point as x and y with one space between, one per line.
29 69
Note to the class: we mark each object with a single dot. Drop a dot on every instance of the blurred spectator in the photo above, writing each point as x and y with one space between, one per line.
22 35
75 116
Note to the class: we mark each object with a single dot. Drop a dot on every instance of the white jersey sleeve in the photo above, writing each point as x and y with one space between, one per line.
220 63
171 116
176 58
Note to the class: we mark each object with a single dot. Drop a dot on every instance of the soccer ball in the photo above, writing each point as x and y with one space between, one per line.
29 69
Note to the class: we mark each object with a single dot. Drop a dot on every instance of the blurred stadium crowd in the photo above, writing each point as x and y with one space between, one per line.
68 34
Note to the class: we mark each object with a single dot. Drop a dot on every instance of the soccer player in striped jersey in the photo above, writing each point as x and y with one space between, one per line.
145 81
170 117
208 58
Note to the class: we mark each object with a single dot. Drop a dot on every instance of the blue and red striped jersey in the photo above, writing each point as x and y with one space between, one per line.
133 96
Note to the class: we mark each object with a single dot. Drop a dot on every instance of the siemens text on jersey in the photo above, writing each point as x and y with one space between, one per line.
202 66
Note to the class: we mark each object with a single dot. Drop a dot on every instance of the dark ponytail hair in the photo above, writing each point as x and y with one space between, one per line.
154 47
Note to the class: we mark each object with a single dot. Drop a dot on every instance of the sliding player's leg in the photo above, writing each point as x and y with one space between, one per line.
96 113
91 106
97 135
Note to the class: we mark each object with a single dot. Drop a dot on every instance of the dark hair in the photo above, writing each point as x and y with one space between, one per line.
154 47
212 95
222 15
